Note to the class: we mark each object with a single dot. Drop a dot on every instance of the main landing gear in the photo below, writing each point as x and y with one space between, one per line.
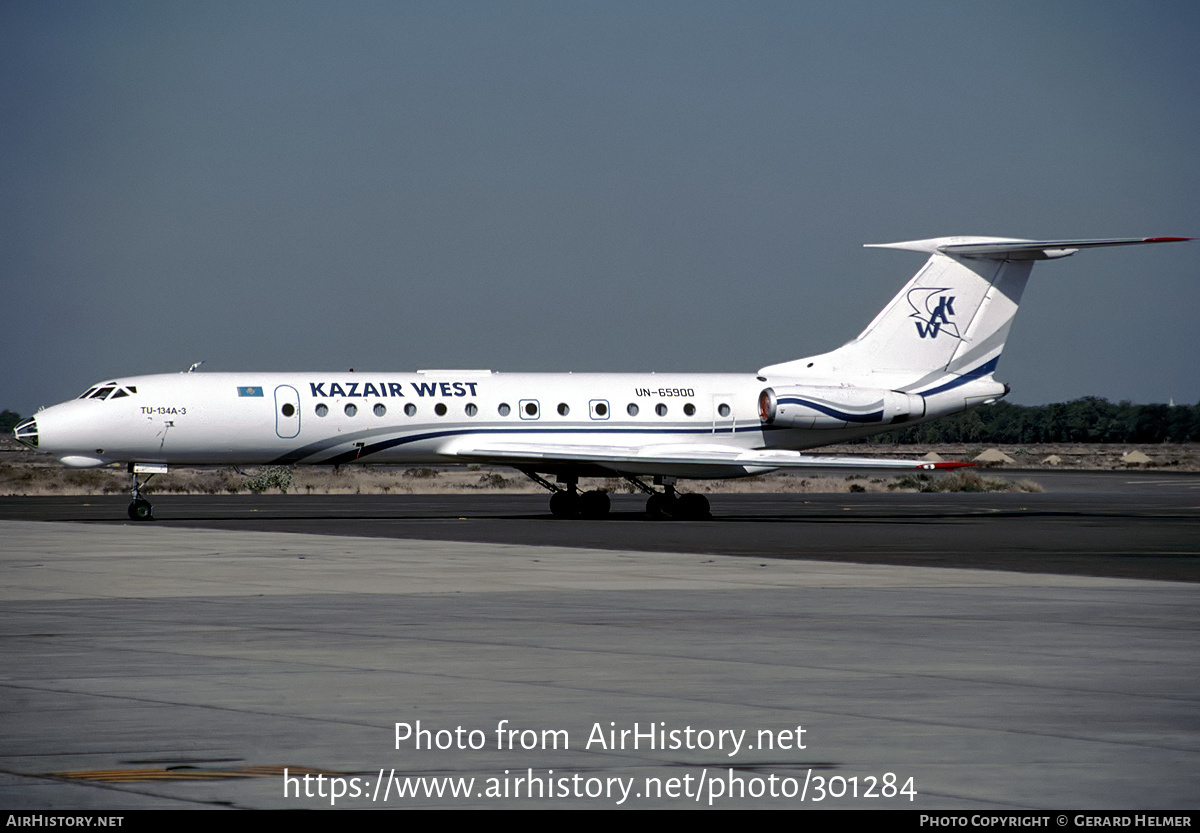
568 502
139 507
670 504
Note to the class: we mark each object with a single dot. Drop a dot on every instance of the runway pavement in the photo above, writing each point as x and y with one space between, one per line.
1120 524
163 665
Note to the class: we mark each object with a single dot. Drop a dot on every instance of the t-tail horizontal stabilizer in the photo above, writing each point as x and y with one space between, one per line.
1002 248
946 328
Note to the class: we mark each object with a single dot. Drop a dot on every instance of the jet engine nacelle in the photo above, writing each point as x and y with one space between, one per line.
813 406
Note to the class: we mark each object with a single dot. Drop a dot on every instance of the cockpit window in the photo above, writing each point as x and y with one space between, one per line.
107 390
26 432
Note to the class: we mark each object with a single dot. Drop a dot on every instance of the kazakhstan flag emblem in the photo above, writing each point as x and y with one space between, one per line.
250 391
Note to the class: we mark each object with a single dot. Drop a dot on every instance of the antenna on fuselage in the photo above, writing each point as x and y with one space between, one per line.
194 366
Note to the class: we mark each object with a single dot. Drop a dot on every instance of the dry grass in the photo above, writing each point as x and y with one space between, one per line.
1080 456
961 480
50 479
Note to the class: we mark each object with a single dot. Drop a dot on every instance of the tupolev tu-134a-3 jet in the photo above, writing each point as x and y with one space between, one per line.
930 352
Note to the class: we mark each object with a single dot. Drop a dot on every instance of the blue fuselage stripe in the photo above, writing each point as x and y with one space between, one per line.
873 416
983 370
296 455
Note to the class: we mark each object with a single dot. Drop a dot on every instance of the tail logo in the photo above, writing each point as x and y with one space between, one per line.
933 312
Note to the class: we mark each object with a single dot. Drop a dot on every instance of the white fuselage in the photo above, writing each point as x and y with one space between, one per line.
333 418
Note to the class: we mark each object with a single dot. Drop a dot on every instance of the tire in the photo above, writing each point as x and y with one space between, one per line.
658 507
564 505
692 507
140 510
594 505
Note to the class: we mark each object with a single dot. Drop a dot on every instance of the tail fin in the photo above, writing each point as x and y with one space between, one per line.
950 322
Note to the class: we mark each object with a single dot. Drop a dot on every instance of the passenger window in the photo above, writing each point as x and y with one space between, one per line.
440 409
322 409
632 410
379 409
471 409
661 409
410 409
563 410
723 409
503 410
689 409
351 409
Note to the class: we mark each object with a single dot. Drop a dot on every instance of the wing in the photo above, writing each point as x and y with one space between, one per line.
679 460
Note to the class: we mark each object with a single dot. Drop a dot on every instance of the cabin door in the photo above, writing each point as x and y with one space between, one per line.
724 421
287 412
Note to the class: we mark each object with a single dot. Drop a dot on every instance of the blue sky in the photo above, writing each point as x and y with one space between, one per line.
583 186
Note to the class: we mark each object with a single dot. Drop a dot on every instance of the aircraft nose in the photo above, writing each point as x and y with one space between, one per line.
26 432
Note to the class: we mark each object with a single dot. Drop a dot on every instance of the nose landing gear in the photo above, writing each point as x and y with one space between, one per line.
139 507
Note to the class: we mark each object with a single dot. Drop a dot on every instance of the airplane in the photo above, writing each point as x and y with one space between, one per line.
930 352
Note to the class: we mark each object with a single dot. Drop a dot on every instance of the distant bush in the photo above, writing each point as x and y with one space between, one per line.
271 477
422 471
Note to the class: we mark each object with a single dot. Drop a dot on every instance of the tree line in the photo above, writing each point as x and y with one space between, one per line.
8 420
1087 420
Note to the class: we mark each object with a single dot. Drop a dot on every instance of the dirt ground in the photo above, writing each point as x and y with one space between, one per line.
25 472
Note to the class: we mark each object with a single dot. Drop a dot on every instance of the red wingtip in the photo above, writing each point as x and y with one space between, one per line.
951 465
1166 239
